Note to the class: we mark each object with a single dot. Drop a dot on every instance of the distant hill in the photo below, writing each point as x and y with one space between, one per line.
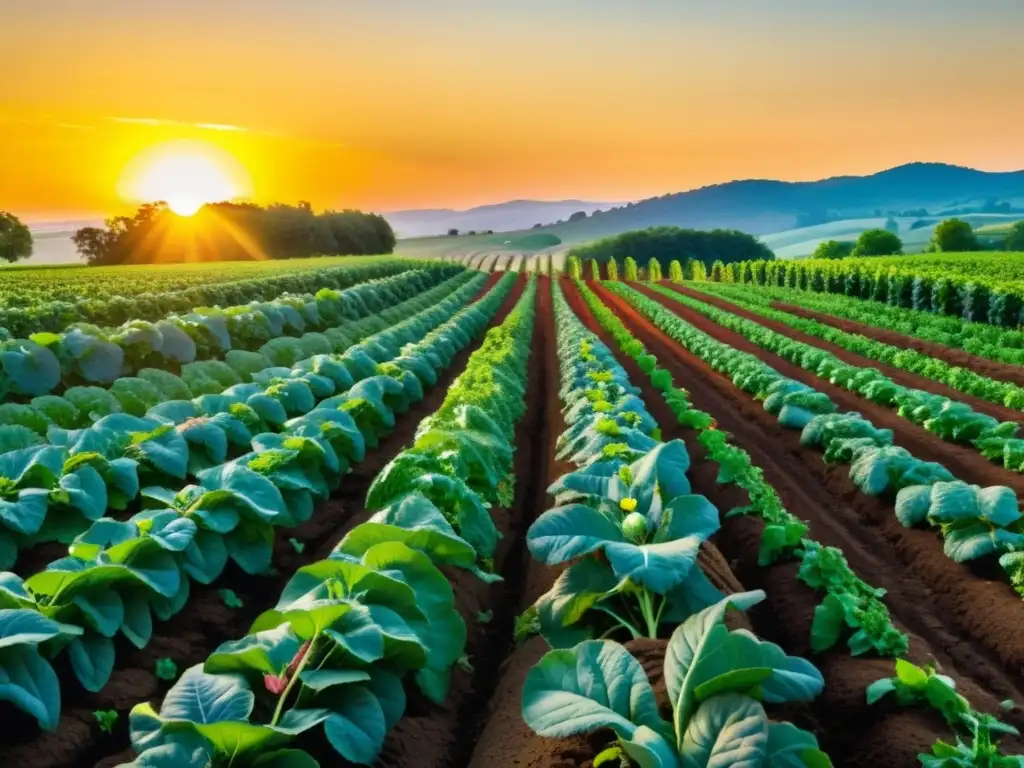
764 206
501 217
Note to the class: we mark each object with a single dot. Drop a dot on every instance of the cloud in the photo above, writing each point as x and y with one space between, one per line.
157 123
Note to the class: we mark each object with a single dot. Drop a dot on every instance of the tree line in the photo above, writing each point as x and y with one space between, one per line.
665 244
232 232
950 236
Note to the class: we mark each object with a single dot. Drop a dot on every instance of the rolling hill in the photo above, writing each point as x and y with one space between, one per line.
501 217
765 206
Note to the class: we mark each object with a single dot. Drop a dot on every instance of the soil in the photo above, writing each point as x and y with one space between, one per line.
206 621
898 375
952 355
963 461
968 621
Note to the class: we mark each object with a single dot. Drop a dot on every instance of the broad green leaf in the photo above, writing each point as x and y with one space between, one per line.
657 567
356 726
30 684
204 698
729 731
565 533
688 515
92 659
597 684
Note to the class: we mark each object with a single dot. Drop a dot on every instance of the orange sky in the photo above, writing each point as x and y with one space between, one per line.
396 103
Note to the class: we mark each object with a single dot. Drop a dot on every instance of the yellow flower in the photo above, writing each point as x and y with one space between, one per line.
627 504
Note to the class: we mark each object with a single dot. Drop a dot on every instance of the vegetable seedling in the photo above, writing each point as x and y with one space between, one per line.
231 600
107 719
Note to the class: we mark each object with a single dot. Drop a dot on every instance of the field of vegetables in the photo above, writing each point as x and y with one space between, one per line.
405 513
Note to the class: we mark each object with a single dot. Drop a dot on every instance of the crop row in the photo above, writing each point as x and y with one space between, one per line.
985 288
962 511
57 489
118 575
50 300
954 376
1004 345
847 598
52 362
974 522
350 629
951 420
631 530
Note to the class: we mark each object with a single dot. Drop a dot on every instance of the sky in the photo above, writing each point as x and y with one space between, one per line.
390 104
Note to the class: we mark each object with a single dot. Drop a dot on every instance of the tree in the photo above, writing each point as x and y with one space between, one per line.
578 216
15 238
954 235
629 268
696 271
594 269
878 242
833 249
94 244
892 225
654 270
717 270
1015 240
613 270
453 232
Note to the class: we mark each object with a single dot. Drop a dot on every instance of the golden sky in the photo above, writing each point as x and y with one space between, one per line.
403 103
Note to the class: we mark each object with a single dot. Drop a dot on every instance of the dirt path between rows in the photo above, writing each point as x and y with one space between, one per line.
898 375
951 355
969 623
963 461
206 622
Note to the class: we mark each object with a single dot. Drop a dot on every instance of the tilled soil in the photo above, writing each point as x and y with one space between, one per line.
206 621
898 375
968 621
952 355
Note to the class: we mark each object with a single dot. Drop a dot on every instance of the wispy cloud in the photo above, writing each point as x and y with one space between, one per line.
154 122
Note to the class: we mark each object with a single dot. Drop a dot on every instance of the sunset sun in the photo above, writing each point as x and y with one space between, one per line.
186 175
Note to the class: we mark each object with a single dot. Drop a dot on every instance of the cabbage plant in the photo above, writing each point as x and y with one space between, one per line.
717 680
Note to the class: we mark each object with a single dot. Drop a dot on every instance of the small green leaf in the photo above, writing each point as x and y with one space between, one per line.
297 545
166 669
231 600
107 718
485 617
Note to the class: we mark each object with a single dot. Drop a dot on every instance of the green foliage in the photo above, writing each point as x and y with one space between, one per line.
833 249
1015 237
166 669
233 231
106 719
878 242
573 267
630 271
696 271
593 269
667 243
954 235
717 271
15 238
716 704
675 271
654 270
612 267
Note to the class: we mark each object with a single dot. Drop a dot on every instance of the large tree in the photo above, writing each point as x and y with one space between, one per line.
878 242
954 235
1015 240
15 238
833 249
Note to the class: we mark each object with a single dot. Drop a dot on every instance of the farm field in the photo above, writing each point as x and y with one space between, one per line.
404 513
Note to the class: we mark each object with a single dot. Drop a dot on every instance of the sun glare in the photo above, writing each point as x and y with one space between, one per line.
186 175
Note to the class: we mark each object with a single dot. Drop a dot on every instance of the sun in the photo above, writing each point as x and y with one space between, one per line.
186 175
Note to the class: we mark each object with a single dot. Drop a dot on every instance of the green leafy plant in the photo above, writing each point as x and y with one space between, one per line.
166 669
718 683
107 719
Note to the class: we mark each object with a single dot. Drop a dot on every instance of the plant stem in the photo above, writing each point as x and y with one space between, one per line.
632 630
288 689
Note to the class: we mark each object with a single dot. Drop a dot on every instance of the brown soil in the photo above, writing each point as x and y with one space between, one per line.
951 355
206 622
506 740
963 461
969 622
898 375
